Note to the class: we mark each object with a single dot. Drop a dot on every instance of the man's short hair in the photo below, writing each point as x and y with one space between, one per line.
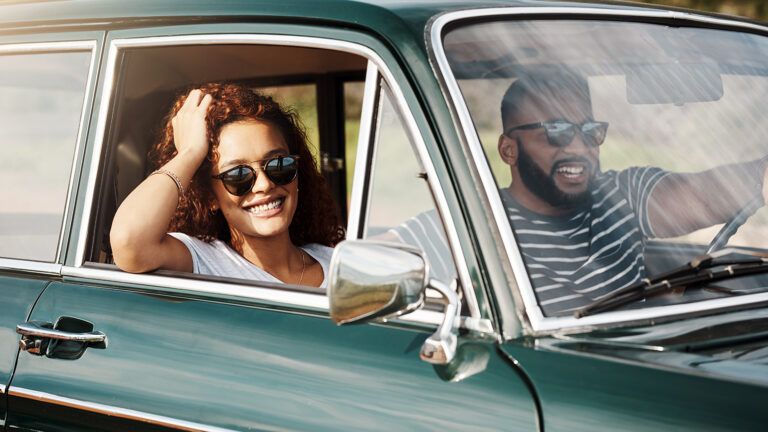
547 86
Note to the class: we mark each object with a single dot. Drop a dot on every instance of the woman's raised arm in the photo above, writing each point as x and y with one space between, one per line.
139 235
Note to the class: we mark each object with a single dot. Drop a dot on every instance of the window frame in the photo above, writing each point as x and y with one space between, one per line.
262 293
86 43
520 293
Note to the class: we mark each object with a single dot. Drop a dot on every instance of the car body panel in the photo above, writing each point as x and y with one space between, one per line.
18 294
729 346
598 387
249 367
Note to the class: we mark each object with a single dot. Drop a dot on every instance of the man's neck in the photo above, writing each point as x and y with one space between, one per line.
533 203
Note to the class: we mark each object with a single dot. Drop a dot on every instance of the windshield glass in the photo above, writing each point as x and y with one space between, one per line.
620 149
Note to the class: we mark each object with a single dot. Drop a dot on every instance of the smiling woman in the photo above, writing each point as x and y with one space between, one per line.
230 165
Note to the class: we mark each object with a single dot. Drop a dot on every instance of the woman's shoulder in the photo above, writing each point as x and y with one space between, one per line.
319 252
196 243
214 258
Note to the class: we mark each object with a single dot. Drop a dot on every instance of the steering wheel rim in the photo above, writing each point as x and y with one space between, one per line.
729 229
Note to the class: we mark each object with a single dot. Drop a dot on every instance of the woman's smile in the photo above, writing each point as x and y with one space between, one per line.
267 208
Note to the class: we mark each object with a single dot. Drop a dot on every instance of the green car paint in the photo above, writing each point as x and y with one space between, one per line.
251 368
17 296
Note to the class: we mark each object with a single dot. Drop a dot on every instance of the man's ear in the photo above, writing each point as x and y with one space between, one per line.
508 150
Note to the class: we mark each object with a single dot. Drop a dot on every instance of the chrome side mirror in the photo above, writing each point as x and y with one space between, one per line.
374 281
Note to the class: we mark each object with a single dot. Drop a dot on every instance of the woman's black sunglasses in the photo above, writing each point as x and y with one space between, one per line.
560 133
280 170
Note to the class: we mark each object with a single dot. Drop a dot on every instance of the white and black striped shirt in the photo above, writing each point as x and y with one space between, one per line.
576 259
426 232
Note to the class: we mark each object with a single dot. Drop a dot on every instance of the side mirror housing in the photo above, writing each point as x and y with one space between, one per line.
372 280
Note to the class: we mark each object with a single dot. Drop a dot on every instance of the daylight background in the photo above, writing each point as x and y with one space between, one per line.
754 9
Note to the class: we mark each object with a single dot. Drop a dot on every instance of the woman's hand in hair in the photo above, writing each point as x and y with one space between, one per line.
139 237
190 134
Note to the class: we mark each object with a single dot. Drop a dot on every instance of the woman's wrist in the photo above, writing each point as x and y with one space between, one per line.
171 175
191 157
184 165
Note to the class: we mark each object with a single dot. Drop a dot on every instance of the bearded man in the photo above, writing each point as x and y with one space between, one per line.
582 231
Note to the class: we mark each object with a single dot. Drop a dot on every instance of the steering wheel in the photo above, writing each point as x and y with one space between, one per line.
730 227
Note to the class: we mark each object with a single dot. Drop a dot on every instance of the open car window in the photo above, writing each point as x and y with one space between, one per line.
622 151
326 89
322 86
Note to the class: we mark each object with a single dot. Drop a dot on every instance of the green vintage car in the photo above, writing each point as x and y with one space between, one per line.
474 295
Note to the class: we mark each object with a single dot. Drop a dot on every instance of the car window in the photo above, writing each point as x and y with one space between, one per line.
401 207
619 150
41 102
150 78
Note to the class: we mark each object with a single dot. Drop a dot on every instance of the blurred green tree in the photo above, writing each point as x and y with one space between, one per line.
753 9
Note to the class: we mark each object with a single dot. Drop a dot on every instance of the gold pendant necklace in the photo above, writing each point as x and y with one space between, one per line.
303 267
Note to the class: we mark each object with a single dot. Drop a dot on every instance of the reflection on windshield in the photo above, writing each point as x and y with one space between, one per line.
620 150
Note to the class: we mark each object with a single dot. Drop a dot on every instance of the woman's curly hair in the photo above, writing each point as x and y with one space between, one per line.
316 219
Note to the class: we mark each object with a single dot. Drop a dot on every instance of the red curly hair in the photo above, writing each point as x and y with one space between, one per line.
316 219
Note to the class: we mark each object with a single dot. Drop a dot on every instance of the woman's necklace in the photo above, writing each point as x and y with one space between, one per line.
303 267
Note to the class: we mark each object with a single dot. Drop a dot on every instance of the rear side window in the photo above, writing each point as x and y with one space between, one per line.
41 102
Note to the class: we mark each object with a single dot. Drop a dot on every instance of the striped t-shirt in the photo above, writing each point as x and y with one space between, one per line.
576 259
426 232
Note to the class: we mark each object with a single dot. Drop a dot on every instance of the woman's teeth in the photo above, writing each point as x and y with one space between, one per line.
261 208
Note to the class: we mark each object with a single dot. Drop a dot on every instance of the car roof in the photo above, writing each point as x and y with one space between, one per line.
401 23
384 17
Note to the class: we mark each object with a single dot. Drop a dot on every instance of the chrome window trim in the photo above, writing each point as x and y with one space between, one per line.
111 411
117 45
67 46
2 389
364 139
80 139
537 323
36 47
307 301
30 266
304 300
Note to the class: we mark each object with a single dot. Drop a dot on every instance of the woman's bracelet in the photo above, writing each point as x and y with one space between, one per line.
173 177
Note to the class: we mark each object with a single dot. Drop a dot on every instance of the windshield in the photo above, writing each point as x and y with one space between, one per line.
619 149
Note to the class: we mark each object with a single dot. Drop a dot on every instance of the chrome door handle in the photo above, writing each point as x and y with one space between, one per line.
35 330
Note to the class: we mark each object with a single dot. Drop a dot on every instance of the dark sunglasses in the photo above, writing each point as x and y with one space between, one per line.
280 170
560 133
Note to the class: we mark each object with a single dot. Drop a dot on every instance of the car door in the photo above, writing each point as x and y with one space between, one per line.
150 352
44 94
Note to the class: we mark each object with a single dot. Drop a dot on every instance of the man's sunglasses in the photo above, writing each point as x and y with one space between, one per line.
560 133
280 170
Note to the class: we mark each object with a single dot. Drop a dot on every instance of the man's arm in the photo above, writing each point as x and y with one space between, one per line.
683 203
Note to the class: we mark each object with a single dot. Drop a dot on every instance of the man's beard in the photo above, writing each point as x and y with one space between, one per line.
543 185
